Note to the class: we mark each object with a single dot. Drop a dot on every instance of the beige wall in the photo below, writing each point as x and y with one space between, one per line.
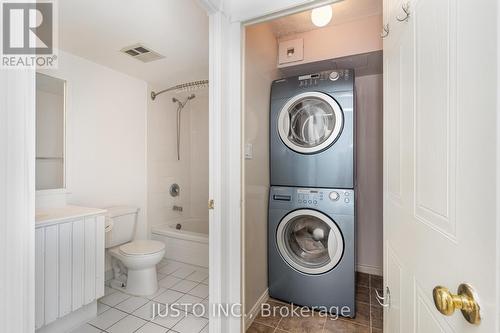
340 40
260 70
369 173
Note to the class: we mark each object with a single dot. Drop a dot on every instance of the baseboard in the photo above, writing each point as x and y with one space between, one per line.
254 311
369 269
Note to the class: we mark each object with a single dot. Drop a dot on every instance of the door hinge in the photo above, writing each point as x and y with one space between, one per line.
211 204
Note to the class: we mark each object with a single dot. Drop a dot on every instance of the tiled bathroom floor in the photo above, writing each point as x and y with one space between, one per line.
369 315
178 283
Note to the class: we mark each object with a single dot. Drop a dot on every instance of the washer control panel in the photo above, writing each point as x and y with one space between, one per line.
315 197
338 201
311 80
309 197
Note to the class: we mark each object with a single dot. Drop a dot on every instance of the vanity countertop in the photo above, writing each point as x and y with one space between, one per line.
48 216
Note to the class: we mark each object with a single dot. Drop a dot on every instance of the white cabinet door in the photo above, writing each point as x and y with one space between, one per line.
69 270
78 255
51 274
65 268
39 277
90 253
440 165
99 257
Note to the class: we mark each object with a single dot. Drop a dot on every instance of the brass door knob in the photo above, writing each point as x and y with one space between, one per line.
465 300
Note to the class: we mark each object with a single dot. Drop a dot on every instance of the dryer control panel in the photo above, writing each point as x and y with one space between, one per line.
330 81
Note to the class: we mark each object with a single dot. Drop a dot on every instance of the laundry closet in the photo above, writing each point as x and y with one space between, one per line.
313 114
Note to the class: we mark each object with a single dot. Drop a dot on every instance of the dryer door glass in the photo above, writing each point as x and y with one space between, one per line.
310 122
310 241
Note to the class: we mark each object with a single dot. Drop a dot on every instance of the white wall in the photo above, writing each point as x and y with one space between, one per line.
369 114
260 70
105 136
191 172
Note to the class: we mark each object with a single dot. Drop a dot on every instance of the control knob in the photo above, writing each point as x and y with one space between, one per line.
334 76
334 196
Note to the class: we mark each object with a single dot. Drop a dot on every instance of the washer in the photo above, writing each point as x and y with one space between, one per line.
312 130
311 248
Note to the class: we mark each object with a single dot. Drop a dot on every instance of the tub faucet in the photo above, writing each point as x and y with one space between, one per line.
177 208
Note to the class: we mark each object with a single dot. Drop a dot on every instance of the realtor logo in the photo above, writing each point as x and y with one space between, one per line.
28 34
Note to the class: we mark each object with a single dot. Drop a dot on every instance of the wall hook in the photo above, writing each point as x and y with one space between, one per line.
385 31
406 10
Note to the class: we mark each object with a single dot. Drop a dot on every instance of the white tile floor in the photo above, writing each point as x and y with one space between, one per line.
178 283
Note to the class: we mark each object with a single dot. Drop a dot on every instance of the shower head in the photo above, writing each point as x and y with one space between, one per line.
184 87
181 103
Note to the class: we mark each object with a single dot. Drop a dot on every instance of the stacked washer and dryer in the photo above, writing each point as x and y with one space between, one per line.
311 208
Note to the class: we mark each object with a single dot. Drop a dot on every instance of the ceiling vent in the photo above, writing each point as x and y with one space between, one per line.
142 53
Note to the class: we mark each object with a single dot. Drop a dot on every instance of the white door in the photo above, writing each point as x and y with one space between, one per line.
440 166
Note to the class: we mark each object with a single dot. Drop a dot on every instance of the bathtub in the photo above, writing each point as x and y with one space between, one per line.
189 245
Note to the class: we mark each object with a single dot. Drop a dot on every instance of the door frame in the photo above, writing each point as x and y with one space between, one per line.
17 200
226 113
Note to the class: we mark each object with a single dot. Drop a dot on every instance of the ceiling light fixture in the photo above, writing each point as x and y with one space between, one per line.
321 16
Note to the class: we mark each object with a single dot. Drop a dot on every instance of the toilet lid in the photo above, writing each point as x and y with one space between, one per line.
142 247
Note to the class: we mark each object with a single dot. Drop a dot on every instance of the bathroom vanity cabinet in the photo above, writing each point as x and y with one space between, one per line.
69 261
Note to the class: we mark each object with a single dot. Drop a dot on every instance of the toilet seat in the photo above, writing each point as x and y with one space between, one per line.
141 248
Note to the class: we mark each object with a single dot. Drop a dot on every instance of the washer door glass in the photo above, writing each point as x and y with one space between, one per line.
309 241
310 122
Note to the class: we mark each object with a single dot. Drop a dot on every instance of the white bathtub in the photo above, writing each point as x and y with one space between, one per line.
189 245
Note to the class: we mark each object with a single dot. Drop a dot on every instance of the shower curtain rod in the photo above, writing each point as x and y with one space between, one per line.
189 86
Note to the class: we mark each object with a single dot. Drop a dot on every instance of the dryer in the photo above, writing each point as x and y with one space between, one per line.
312 130
311 248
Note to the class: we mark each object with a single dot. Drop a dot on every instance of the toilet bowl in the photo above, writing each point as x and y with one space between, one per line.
134 261
140 257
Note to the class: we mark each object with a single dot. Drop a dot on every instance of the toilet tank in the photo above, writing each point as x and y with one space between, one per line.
123 220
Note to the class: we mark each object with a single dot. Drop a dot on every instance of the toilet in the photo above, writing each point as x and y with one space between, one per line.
134 261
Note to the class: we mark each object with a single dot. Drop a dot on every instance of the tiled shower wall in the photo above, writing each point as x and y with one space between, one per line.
191 172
